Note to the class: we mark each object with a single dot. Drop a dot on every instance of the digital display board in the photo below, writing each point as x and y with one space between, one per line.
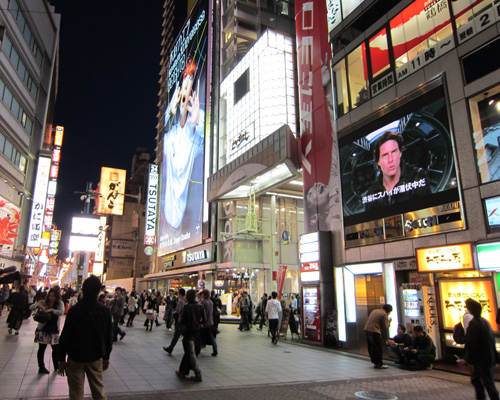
400 162
181 206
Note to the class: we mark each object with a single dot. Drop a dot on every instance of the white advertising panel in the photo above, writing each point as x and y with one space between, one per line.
83 243
152 201
39 198
101 241
123 248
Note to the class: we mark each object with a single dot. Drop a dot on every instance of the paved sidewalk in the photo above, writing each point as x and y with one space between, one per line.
248 366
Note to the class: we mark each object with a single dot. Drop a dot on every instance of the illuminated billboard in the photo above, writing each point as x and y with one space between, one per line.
152 201
112 188
456 257
39 199
401 162
10 217
455 292
181 205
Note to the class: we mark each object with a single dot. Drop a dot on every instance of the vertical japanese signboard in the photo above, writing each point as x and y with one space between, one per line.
101 240
319 154
39 199
152 200
112 191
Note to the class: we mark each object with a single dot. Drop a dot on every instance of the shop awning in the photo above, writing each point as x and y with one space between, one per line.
177 272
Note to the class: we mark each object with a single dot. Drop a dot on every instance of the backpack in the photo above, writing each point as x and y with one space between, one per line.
459 333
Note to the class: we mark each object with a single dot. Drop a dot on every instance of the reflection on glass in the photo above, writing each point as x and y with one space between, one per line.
379 53
418 27
340 84
465 10
358 76
485 116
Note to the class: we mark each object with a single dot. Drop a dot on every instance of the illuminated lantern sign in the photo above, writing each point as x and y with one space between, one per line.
112 191
445 258
39 198
149 235
455 292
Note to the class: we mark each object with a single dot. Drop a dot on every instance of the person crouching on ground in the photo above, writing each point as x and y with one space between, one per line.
398 343
193 319
422 352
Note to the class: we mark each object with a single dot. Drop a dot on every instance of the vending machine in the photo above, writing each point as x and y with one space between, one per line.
316 280
414 311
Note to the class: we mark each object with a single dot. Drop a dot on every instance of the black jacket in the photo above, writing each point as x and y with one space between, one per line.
193 316
87 333
424 346
480 343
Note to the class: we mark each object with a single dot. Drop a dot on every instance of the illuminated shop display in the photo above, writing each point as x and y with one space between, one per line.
182 188
257 97
456 257
455 292
152 200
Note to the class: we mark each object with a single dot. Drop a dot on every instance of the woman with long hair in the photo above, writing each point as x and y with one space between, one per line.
132 308
48 332
19 305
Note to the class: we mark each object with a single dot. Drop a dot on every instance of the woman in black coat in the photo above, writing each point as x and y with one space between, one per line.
19 302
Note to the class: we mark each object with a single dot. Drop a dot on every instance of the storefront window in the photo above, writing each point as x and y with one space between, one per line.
358 76
485 117
465 10
419 27
340 84
379 53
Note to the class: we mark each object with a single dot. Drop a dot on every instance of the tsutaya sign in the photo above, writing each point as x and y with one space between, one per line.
149 235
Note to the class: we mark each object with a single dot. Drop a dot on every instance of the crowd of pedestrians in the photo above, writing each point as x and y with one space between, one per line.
82 343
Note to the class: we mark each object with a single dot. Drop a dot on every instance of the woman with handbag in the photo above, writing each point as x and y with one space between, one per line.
149 306
132 308
19 303
47 331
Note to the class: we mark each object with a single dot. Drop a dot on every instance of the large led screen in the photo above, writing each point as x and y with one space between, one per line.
181 206
401 162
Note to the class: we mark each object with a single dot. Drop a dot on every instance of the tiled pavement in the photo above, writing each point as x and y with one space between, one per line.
248 366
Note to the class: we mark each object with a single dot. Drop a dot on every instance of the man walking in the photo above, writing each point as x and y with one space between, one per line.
181 301
193 318
171 301
378 319
87 341
480 352
117 312
245 310
273 309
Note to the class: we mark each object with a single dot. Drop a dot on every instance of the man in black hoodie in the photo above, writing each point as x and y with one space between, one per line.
87 341
480 352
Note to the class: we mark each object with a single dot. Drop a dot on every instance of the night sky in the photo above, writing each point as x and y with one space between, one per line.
108 92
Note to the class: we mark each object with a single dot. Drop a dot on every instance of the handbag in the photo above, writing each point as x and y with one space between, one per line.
42 317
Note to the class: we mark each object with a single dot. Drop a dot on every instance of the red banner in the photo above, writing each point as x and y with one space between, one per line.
319 164
281 280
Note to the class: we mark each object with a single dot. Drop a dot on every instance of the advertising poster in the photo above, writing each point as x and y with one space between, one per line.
39 199
455 292
402 162
181 205
112 188
9 221
318 148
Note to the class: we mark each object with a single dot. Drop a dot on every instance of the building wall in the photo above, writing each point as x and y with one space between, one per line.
28 70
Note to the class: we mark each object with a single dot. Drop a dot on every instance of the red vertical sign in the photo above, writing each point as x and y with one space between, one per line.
281 280
313 59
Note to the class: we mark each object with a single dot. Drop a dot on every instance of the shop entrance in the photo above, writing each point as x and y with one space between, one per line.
369 297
